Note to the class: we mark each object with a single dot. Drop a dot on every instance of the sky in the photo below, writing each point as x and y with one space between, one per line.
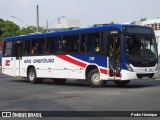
88 11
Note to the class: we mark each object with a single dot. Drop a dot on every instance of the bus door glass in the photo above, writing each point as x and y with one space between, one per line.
18 55
114 55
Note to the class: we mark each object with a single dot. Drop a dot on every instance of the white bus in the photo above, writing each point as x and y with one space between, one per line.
118 53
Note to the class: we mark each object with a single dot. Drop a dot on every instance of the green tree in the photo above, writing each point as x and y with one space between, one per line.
2 24
8 28
30 29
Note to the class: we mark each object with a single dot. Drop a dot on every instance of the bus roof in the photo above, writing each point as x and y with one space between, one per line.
69 32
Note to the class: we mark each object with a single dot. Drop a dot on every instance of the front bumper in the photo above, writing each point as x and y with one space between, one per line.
127 75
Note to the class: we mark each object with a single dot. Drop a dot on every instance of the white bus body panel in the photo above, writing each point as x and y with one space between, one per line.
8 66
18 67
56 68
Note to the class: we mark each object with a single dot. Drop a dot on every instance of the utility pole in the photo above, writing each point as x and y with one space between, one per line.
47 25
37 19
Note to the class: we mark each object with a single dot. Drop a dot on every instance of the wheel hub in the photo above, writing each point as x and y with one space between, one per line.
31 76
96 78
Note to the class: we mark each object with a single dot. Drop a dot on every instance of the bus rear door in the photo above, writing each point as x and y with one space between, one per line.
114 54
18 55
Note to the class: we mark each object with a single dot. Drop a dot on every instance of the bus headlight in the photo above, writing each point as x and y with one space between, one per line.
129 67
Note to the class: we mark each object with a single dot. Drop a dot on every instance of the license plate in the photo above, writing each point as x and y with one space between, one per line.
145 77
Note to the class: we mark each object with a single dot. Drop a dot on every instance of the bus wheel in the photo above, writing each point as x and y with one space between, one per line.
31 76
93 79
59 81
121 83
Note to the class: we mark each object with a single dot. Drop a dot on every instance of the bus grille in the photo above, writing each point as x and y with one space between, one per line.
140 76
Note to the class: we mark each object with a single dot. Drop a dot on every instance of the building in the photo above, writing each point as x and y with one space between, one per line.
69 23
155 24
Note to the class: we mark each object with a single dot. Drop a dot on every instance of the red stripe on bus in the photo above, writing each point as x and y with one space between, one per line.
103 71
71 60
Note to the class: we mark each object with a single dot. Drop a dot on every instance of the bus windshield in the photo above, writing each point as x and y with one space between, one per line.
140 48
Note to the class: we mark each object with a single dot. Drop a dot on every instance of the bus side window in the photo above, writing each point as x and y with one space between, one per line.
103 42
57 45
97 49
34 50
76 45
90 42
41 46
53 45
4 49
96 41
48 45
34 47
64 46
70 43
8 49
27 47
82 44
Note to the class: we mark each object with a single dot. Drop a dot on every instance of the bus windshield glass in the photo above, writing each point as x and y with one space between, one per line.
141 48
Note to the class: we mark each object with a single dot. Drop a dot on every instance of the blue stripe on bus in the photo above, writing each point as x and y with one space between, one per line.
92 58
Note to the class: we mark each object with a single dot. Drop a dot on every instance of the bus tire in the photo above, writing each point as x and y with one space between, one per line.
59 81
121 83
93 79
31 76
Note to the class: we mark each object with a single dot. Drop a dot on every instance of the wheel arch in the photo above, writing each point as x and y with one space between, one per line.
29 67
89 68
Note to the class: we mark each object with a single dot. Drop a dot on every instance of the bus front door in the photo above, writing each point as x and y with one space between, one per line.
114 55
18 55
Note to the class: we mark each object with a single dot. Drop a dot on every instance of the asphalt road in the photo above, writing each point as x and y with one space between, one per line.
20 95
